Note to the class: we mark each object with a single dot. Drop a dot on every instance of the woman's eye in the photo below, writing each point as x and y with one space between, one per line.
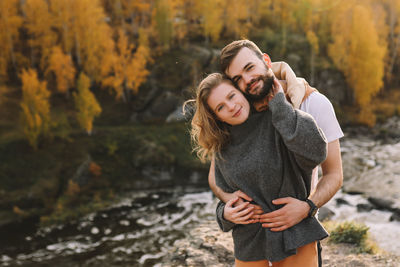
220 108
231 96
250 67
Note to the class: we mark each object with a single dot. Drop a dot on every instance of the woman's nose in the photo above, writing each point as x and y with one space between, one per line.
231 106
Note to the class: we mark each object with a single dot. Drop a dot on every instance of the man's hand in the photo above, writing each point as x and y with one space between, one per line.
240 214
291 214
241 195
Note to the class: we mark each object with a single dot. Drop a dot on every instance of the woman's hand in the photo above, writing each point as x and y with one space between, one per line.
240 214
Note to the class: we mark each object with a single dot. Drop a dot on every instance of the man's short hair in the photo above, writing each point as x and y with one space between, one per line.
229 52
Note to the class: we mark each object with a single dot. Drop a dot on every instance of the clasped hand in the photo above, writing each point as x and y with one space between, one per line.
239 210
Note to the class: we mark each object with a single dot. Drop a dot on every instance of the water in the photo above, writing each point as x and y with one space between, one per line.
138 231
143 226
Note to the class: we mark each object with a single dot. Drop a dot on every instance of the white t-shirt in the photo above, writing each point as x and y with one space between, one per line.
319 106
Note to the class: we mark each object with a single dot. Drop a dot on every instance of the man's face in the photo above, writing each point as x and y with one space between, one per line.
250 74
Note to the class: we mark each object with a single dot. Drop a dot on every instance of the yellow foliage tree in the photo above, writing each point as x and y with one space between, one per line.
312 18
211 12
137 71
93 38
10 22
63 68
38 21
73 188
237 18
128 69
138 12
393 34
283 14
162 22
35 106
63 20
357 51
85 34
86 104
179 22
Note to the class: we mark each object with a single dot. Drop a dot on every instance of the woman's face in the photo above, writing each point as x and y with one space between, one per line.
229 104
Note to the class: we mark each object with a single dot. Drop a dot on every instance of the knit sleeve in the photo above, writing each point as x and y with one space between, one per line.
299 132
220 180
225 225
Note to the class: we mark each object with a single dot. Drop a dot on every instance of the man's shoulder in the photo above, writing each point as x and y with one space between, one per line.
316 102
317 97
319 106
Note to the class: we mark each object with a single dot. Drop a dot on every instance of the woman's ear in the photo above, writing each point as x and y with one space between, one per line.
267 60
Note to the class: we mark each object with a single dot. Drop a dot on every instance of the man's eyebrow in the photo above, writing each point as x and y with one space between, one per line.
245 66
237 76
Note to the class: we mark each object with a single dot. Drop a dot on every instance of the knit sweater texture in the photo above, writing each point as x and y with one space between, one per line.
271 155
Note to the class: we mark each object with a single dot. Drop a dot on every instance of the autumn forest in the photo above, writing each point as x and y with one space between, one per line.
66 63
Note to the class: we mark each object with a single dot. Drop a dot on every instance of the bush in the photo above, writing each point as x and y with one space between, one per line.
352 233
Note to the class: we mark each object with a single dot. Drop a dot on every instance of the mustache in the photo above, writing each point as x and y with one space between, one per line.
267 87
253 81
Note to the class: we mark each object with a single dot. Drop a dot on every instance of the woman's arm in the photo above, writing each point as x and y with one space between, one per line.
295 88
298 130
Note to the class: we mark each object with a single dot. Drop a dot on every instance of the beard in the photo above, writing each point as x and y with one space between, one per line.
268 81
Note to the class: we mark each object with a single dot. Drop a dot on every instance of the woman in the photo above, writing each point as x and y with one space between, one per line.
266 155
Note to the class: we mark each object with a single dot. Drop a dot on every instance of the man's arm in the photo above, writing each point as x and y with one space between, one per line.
332 176
296 210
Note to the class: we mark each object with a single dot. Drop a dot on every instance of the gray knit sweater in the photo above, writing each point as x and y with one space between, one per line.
270 156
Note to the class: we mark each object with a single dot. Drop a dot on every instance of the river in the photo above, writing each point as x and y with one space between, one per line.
140 229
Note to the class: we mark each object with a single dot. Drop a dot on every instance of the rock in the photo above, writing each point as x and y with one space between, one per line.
205 245
159 109
373 169
325 213
395 216
95 230
328 81
364 207
176 115
82 174
341 201
380 203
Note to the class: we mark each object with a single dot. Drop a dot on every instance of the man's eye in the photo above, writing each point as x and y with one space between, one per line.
250 67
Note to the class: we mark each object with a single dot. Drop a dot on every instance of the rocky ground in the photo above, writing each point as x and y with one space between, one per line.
207 246
371 165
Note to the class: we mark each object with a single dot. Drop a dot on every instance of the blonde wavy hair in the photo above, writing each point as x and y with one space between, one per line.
209 135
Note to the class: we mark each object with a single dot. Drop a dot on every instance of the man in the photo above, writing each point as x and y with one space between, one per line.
243 62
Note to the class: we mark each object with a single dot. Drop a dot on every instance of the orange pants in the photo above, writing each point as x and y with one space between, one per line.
307 255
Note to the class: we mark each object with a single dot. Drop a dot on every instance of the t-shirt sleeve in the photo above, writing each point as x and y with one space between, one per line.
319 106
